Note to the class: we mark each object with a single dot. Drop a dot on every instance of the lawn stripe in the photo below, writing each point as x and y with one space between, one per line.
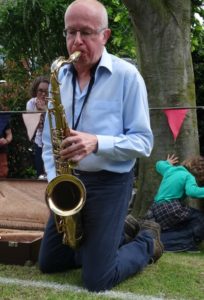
73 288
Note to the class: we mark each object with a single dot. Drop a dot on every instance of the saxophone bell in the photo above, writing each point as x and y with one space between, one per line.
69 187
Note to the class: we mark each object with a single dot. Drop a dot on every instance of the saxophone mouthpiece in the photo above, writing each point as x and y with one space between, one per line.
74 56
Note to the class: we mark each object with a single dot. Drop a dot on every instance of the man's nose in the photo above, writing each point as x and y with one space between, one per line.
78 37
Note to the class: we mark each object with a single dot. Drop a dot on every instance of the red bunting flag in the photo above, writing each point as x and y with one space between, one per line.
175 119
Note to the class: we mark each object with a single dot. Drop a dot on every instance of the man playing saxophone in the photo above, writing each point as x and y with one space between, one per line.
105 103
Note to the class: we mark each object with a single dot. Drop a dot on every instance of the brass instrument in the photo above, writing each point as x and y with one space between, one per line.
65 194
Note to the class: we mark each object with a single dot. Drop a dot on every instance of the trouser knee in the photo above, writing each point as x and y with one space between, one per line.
97 283
45 267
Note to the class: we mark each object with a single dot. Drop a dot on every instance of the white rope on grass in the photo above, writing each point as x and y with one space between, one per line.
76 289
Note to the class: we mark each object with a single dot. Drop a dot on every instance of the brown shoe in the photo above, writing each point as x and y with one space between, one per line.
131 228
154 230
158 251
151 226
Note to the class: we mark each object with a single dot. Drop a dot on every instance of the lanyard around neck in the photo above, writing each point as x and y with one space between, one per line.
91 82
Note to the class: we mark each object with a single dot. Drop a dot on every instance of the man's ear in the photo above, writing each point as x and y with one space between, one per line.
106 35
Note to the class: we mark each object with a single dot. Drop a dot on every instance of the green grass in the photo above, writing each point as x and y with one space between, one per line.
174 276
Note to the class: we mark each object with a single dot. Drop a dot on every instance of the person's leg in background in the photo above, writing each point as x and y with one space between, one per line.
39 165
3 165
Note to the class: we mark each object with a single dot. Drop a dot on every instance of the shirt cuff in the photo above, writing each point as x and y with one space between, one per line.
105 144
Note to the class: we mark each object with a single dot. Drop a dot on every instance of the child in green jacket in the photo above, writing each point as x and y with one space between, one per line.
182 227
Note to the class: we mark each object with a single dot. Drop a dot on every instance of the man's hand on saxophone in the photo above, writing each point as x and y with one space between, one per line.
78 145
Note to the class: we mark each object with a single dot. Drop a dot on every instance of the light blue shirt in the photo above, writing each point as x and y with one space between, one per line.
116 112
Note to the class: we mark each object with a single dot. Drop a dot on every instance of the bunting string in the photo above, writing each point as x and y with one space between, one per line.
175 116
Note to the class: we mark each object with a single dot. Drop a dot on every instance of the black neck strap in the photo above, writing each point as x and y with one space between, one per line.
91 83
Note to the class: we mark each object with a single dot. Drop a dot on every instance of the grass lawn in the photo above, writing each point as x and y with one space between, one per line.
174 276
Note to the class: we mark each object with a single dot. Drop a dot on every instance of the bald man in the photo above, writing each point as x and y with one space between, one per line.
105 101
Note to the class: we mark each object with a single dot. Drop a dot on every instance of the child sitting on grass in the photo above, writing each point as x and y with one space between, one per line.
182 227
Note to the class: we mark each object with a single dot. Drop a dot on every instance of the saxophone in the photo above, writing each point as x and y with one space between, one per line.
65 194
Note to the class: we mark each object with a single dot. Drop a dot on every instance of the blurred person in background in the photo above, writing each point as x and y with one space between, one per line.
5 139
38 103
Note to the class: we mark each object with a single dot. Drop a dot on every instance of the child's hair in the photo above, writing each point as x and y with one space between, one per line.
36 83
195 165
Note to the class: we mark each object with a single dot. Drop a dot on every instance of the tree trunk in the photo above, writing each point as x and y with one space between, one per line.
162 31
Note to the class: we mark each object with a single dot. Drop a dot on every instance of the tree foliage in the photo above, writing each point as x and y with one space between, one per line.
31 37
34 39
34 30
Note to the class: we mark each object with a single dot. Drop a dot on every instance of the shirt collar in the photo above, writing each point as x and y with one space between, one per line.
105 61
